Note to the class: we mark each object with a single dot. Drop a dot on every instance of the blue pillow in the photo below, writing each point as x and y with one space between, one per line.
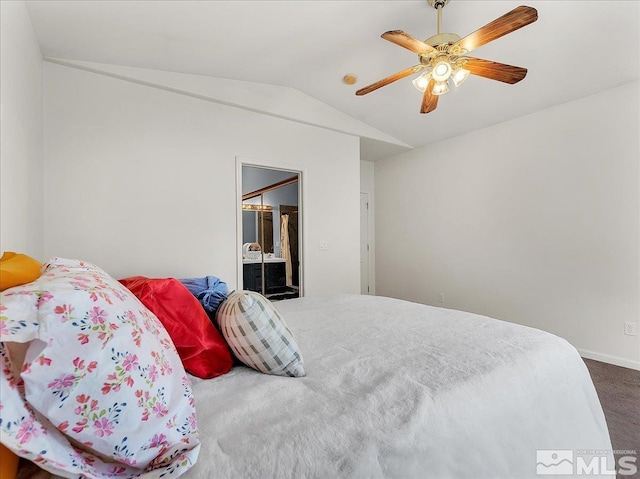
210 291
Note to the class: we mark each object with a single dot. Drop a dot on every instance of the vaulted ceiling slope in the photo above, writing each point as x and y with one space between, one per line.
273 100
576 48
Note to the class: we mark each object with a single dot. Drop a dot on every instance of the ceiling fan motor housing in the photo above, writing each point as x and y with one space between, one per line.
440 38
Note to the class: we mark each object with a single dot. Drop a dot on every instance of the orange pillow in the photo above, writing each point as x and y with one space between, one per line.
17 269
8 463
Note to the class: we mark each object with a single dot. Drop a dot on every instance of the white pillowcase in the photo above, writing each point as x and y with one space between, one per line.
258 336
100 373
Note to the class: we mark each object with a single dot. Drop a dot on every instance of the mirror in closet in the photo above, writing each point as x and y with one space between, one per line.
271 232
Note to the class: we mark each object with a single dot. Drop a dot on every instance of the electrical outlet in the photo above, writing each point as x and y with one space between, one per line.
630 328
324 245
440 297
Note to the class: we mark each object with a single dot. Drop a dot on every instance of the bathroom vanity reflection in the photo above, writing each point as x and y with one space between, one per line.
275 276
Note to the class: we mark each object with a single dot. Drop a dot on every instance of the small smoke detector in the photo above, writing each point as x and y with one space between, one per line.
349 79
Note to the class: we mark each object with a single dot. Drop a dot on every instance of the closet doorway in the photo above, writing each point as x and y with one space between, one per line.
270 235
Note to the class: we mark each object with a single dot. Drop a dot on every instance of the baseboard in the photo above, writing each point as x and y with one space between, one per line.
606 358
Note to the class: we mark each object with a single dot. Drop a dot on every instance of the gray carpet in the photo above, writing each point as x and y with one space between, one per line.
619 392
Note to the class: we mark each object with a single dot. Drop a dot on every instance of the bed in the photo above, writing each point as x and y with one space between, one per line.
399 390
392 389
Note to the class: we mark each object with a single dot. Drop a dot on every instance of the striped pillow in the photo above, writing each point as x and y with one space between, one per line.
258 336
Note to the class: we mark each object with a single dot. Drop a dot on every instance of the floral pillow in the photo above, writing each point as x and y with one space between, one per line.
101 390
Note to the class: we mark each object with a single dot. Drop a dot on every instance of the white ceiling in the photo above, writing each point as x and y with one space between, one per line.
576 48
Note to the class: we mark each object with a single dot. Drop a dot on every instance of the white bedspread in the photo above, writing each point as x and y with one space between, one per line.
399 390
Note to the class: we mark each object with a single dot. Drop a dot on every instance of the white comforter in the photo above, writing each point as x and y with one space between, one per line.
399 390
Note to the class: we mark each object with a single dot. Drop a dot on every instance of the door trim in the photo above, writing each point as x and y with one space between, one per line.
368 252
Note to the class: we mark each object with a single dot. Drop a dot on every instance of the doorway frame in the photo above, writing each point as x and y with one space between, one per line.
368 252
270 165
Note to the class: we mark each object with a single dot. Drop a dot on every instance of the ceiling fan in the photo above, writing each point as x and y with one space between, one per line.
443 56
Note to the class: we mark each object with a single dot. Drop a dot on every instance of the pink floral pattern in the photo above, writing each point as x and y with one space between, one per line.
103 362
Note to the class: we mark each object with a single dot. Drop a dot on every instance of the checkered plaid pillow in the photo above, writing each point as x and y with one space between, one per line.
258 336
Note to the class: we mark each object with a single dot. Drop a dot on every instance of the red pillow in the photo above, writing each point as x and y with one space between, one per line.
201 347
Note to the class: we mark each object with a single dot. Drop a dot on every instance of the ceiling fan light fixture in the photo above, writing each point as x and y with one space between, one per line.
459 76
440 88
421 82
442 70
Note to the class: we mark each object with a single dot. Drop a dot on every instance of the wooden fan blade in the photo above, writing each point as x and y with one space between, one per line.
429 100
389 79
495 71
509 22
407 41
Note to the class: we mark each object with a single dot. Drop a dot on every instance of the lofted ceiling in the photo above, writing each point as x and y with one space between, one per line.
576 48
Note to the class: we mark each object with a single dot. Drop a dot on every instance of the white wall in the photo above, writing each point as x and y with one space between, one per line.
21 135
534 221
143 181
273 100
